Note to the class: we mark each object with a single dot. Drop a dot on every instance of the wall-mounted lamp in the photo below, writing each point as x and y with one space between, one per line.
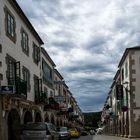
126 88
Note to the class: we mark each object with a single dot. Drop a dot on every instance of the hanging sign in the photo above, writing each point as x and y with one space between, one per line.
119 92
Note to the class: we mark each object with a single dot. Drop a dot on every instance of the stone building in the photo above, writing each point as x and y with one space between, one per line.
124 111
20 47
27 75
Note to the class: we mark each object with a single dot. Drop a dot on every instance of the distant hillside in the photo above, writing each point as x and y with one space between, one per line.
92 119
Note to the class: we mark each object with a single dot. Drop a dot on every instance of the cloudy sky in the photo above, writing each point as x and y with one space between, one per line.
86 40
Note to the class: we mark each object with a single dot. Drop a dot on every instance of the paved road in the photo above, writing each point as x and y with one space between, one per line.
89 137
102 137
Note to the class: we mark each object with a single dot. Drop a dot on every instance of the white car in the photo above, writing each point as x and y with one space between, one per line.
99 130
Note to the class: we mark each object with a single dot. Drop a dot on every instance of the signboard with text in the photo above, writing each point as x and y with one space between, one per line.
7 89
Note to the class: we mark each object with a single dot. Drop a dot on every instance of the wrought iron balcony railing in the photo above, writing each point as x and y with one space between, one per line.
20 86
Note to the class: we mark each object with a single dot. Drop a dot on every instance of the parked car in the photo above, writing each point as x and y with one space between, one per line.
64 134
99 130
84 133
39 131
92 132
74 133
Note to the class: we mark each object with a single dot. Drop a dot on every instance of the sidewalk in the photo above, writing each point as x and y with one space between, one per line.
105 137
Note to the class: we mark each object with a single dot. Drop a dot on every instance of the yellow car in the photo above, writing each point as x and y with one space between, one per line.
74 133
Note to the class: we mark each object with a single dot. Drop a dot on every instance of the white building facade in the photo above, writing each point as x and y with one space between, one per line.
27 89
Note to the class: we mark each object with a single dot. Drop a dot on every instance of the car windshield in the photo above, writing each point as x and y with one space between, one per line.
63 129
34 126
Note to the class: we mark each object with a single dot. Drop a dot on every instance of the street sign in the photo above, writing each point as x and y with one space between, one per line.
7 89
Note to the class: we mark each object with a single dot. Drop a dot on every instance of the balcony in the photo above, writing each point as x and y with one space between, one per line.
52 104
41 98
20 87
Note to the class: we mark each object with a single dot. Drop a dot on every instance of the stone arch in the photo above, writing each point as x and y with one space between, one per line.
61 122
57 122
28 117
38 117
13 123
46 117
52 119
64 123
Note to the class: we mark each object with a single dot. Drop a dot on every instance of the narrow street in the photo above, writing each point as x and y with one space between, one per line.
103 137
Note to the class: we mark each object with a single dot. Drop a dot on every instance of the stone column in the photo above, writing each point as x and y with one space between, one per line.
1 120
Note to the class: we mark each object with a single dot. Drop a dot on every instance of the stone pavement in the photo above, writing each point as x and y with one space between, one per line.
105 137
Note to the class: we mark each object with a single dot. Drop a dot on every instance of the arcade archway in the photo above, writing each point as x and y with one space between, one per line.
52 119
13 122
28 117
46 117
38 117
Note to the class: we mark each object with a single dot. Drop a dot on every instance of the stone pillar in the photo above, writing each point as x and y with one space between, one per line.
126 125
1 121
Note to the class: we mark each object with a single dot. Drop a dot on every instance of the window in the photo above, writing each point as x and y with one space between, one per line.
47 73
56 85
0 48
36 53
37 88
1 76
46 91
26 77
46 94
122 73
24 42
126 69
10 70
51 94
10 25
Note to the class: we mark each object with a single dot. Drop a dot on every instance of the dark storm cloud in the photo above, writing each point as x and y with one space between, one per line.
97 44
89 68
63 45
92 103
86 40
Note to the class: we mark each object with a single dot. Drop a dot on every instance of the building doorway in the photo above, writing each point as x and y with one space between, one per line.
14 127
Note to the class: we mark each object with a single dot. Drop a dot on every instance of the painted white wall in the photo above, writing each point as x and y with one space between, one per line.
15 50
